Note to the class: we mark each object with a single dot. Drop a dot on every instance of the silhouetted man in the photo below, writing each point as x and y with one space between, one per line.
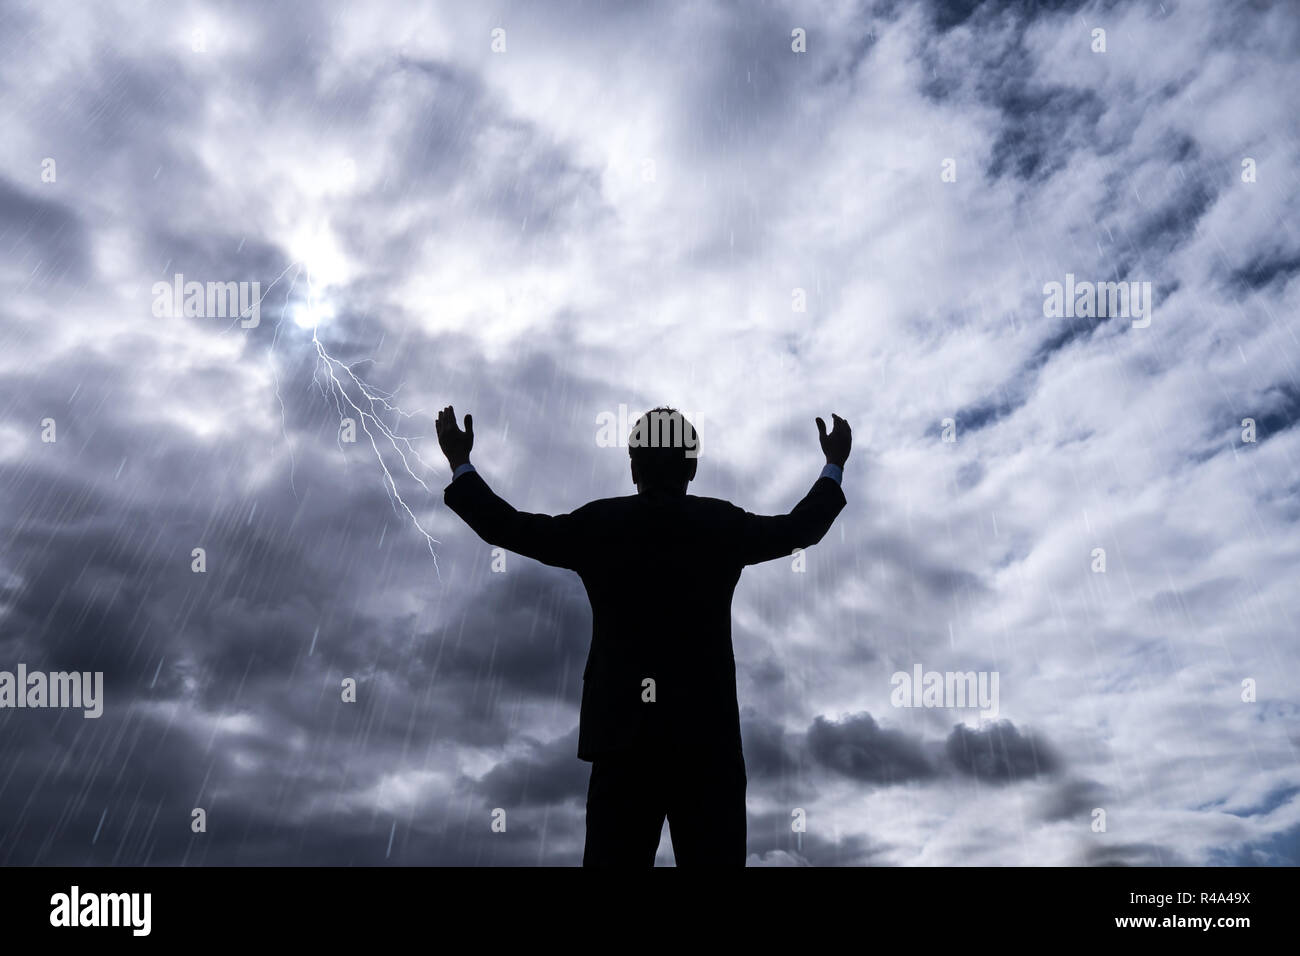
659 721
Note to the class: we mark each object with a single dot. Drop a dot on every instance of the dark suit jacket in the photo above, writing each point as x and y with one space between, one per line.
660 571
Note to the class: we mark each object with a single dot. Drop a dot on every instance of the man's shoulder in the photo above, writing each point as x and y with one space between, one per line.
715 504
717 510
624 502
606 505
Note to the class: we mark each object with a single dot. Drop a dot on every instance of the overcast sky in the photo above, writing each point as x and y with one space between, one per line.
643 204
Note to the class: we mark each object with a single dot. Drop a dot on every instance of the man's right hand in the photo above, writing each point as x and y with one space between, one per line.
836 445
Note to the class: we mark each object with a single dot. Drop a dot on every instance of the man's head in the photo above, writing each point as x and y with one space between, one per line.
664 448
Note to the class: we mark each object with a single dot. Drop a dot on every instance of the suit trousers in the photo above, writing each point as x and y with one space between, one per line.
702 795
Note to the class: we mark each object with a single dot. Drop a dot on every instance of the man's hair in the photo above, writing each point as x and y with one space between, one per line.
662 445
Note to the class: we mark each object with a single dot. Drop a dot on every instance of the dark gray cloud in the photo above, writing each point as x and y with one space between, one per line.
41 236
999 753
545 776
1131 854
1074 800
861 749
772 842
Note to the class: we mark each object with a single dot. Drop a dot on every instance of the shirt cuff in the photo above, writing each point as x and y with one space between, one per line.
833 471
461 469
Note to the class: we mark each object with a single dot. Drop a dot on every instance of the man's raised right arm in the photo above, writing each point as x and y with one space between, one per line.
767 537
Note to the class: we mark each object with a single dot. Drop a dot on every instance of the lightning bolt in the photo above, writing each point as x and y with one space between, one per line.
332 378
